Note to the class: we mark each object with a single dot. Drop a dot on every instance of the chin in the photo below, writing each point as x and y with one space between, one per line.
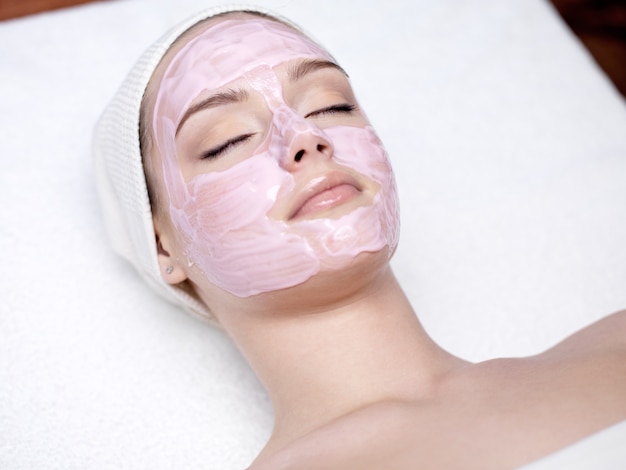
329 287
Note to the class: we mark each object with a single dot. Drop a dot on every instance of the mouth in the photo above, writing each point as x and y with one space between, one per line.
324 193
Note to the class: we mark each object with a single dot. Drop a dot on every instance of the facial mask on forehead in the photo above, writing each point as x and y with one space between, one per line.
222 217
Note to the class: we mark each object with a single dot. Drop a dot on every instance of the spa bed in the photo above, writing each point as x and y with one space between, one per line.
509 145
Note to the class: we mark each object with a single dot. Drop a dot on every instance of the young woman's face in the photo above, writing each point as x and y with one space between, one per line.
272 171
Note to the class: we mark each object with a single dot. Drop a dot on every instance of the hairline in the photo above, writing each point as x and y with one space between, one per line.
146 137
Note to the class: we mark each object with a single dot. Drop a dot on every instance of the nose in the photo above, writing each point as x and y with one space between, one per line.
307 144
303 141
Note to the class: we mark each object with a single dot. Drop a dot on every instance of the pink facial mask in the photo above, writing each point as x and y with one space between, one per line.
222 216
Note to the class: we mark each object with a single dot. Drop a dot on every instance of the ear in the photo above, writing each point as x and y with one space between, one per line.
170 267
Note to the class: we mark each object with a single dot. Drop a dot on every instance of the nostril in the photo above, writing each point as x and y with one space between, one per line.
321 148
299 155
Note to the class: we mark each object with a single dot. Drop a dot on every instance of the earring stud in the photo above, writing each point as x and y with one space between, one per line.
169 270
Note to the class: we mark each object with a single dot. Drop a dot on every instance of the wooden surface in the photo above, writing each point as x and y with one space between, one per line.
16 8
600 25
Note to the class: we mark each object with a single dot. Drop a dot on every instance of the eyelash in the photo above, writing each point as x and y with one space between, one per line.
217 151
334 109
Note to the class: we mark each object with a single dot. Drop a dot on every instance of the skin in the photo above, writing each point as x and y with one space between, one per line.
356 382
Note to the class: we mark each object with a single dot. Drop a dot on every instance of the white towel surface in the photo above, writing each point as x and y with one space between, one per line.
510 151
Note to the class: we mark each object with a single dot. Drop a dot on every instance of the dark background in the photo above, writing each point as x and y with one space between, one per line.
600 25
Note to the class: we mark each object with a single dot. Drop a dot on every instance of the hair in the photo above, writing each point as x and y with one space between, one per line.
145 129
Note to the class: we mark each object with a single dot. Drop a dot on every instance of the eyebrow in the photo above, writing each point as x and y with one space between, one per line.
218 99
300 69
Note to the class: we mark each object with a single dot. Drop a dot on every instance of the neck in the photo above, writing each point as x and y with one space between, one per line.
320 366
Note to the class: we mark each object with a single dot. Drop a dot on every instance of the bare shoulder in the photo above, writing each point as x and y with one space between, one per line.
589 367
607 334
500 413
586 369
368 438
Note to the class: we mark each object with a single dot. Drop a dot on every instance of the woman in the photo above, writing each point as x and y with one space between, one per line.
272 210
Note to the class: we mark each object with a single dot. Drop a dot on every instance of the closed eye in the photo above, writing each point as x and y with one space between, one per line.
334 109
225 147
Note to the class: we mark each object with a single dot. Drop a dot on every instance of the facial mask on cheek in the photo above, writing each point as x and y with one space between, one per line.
222 216
366 229
232 241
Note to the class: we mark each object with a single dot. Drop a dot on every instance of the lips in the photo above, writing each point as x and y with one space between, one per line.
324 193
